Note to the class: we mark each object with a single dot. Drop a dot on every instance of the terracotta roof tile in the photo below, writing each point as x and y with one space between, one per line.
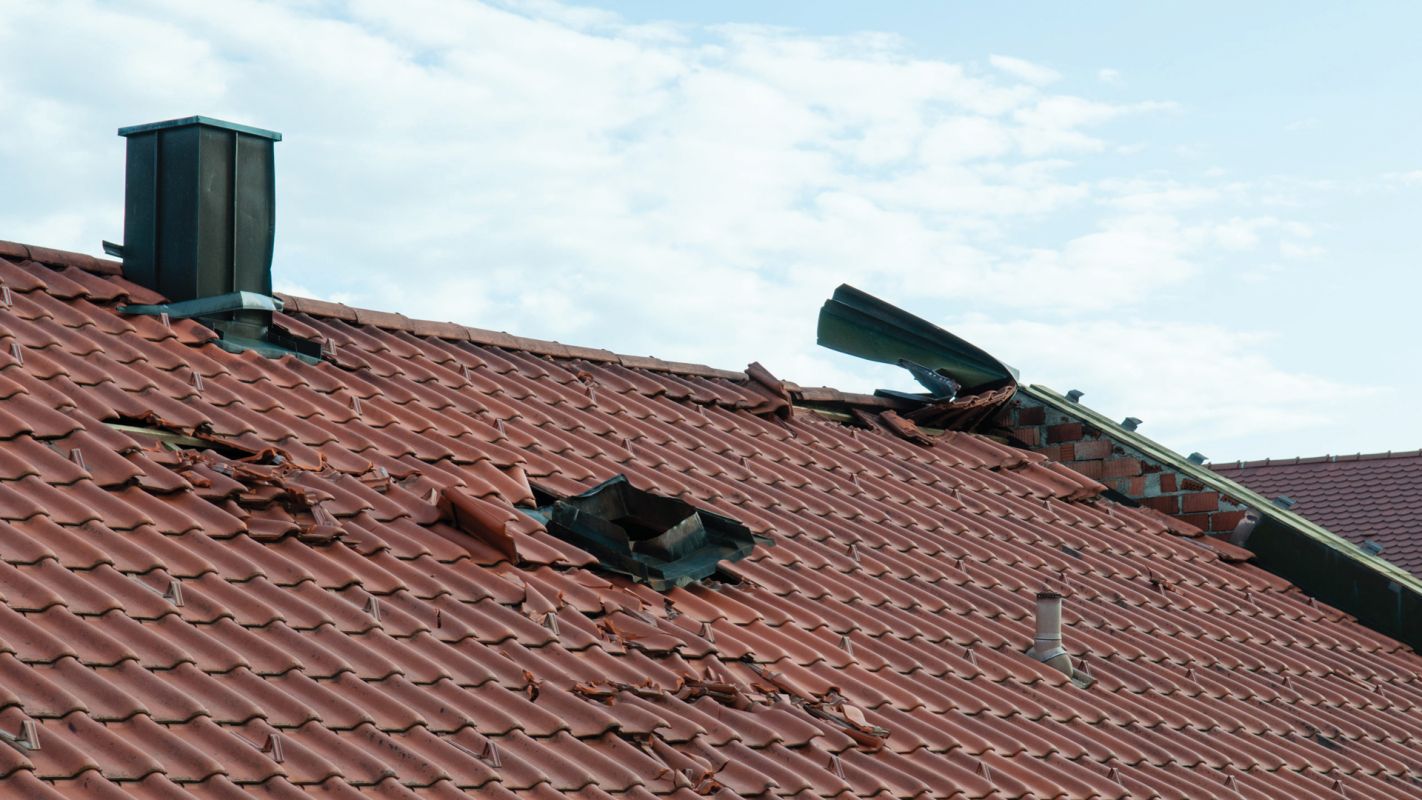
174 629
1365 497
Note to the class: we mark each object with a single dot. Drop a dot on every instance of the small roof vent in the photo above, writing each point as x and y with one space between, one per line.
1047 642
1197 458
1131 423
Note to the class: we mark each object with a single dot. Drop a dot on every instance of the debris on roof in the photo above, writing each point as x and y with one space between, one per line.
965 384
660 541
164 632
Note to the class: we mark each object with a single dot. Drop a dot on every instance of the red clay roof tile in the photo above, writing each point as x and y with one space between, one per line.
1361 497
172 628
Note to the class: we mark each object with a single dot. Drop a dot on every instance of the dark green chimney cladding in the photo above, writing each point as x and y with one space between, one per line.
200 207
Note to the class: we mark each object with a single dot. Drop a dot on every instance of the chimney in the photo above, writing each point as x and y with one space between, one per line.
1047 644
199 207
199 227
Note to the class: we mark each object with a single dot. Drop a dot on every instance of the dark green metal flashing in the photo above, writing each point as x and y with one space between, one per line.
208 306
862 325
237 334
1322 564
660 541
1341 579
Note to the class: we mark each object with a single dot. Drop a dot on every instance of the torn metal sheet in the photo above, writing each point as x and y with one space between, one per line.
660 541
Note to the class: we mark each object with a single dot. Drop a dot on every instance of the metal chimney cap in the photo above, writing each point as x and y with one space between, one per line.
1075 395
1049 595
149 127
1131 423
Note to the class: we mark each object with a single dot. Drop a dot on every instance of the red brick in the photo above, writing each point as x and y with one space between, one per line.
1093 448
1091 469
1168 484
1202 501
1031 415
1191 485
1121 467
1066 432
1225 520
1028 436
1130 487
1167 504
1201 521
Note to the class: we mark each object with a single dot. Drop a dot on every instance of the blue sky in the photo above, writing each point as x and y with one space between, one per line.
1203 215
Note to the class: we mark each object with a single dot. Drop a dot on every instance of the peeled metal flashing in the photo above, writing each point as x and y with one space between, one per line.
207 306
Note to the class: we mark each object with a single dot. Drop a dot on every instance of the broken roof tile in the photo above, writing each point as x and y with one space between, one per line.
182 615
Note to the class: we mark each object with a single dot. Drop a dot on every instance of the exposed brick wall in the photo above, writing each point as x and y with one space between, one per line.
1150 482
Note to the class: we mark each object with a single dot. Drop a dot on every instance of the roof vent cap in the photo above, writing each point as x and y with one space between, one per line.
1131 423
1197 458
1372 548
1075 395
1285 502
1047 642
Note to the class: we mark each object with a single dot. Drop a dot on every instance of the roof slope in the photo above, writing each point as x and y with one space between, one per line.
186 622
1375 496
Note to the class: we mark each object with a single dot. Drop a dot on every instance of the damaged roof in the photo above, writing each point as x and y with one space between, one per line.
226 575
1366 497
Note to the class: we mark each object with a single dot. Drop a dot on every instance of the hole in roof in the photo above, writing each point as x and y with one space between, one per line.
660 541
171 438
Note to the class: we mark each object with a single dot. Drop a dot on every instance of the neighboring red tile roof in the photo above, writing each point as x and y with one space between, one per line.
181 622
1375 496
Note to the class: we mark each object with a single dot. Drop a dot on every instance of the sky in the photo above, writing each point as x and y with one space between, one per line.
1203 215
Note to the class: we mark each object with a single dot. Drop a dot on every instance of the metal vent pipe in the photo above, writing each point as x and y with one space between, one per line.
1047 644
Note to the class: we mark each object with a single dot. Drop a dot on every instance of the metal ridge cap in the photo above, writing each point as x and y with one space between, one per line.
1229 486
1307 461
198 119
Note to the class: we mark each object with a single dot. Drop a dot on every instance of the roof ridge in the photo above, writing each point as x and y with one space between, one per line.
395 321
60 258
453 330
1329 458
483 336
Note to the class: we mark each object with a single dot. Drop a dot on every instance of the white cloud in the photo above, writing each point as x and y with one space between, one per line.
1209 384
1022 69
1108 75
1407 178
551 170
